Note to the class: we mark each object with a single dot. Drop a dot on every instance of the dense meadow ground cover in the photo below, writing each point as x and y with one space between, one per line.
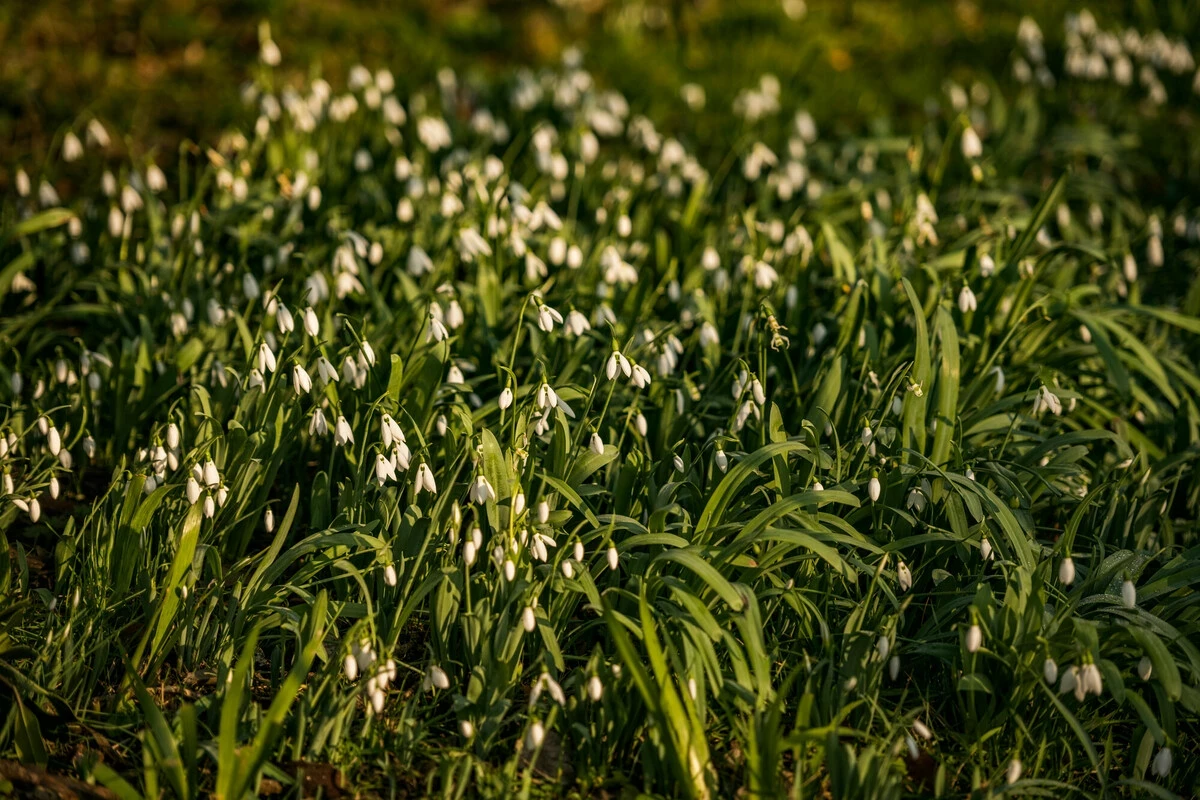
542 431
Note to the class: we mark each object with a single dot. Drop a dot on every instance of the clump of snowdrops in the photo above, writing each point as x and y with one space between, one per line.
495 428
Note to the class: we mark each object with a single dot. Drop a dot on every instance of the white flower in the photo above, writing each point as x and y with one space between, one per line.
481 490
212 478
987 265
528 620
1145 668
325 371
437 330
1047 401
1013 773
547 316
301 380
1050 670
921 729
974 639
425 481
266 358
312 325
577 324
419 262
1161 767
72 148
904 576
269 520
873 489
384 470
193 490
472 245
883 646
595 689
506 398
1128 594
535 736
317 426
640 377
342 433
972 147
1066 571
596 444
966 299
617 362
985 549
437 678
283 318
722 460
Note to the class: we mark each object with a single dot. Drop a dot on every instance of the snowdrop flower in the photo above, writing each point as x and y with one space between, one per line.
283 318
437 330
419 263
972 147
193 490
342 433
535 736
921 729
904 576
985 549
577 324
312 326
1145 668
436 678
722 460
72 148
547 316
266 358
987 265
506 398
390 431
1013 773
471 244
1161 766
1047 401
318 426
1128 594
596 444
325 371
212 478
528 620
425 481
301 380
384 470
1066 571
974 639
617 363
210 507
1050 670
481 491
640 377
882 646
873 490
966 299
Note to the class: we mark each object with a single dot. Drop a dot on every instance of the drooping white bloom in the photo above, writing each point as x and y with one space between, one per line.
904 575
437 330
269 520
1145 668
972 147
966 299
528 620
1128 594
547 316
425 481
617 362
596 444
1066 571
1050 670
921 729
266 358
1013 773
639 377
193 490
301 380
1161 767
343 434
985 549
506 398
212 478
385 470
283 318
873 489
974 638
312 326
318 426
1047 401
481 490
